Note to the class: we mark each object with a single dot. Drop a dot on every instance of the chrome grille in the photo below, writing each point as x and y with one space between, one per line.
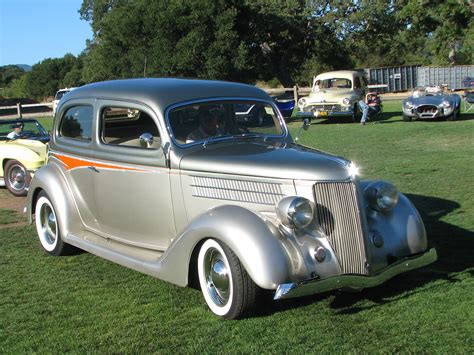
325 107
428 111
338 214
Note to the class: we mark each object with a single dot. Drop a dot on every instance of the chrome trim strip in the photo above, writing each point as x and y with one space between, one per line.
314 286
237 190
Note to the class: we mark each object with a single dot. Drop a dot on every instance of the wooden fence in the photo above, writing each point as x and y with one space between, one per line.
19 107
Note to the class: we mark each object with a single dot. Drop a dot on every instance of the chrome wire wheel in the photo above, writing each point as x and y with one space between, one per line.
46 224
17 178
215 277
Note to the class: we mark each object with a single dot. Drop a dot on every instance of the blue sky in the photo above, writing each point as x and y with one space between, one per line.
33 30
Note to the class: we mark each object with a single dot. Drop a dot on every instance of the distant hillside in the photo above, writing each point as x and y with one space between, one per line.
25 67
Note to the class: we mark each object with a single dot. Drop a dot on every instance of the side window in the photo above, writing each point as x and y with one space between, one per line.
129 127
357 84
77 123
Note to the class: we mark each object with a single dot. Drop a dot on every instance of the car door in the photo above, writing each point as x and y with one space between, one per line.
131 178
71 148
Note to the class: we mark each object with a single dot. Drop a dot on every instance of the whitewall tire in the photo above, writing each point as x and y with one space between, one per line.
227 288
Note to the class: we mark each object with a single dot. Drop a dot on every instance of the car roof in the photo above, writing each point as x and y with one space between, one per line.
163 92
339 74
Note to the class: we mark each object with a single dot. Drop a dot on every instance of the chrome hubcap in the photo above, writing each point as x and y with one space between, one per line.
48 224
217 277
17 177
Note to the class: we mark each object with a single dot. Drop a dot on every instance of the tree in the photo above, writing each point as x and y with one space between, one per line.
8 73
231 40
46 77
18 88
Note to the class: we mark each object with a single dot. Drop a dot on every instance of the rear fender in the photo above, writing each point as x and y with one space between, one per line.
51 179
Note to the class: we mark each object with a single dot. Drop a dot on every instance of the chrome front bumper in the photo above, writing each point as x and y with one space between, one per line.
313 286
317 114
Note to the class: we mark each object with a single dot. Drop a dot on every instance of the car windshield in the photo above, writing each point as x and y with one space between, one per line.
60 94
427 91
333 83
218 120
31 129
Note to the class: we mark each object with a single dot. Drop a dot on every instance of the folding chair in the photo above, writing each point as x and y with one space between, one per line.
468 98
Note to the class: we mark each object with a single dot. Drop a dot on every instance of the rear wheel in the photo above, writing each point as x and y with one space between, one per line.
227 288
17 178
47 227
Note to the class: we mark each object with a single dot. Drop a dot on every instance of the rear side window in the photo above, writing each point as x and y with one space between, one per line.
77 123
126 127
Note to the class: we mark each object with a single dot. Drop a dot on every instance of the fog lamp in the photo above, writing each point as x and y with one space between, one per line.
295 211
381 195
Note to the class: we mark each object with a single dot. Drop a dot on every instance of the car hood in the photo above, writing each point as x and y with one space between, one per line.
330 95
273 160
428 100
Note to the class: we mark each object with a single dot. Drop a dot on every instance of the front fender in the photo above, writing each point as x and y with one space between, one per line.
401 229
51 179
257 247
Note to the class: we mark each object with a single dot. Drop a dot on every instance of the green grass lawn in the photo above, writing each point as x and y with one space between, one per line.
85 304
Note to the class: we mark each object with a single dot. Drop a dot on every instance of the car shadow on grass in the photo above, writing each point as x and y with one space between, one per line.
453 244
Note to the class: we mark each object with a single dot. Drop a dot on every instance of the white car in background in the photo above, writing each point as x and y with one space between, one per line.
58 96
333 94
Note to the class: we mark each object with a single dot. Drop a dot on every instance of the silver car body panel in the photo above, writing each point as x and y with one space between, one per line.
150 209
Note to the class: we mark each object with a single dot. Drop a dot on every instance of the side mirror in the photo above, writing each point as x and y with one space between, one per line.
146 140
305 126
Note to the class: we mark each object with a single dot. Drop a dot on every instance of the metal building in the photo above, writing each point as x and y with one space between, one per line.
403 78
451 76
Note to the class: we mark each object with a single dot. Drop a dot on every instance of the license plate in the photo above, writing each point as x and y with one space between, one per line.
321 113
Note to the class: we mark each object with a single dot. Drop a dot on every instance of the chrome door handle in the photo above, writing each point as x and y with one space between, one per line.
93 168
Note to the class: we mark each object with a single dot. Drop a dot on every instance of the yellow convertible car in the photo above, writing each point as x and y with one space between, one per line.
22 152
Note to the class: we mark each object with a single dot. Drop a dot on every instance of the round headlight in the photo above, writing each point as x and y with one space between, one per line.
295 211
301 102
346 101
408 104
382 196
445 104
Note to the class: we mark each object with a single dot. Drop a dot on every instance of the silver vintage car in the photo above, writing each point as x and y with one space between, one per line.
431 102
160 176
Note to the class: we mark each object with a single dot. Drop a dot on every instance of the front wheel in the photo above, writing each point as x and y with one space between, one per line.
407 118
227 288
17 178
47 227
356 114
454 116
